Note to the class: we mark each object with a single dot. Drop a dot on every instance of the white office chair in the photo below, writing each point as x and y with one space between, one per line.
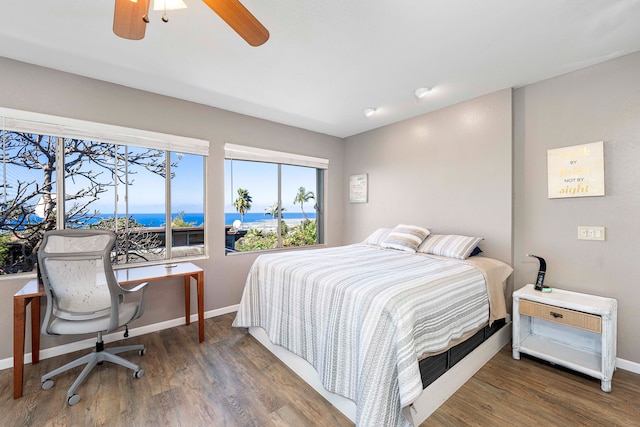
83 297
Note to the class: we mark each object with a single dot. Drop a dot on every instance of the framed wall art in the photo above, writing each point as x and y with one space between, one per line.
358 188
576 171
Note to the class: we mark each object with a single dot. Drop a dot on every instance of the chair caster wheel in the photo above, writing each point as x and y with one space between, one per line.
72 400
142 352
139 373
46 385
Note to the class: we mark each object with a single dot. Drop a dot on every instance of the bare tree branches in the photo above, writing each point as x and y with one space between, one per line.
29 206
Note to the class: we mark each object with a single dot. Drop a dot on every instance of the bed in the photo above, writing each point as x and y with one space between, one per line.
364 316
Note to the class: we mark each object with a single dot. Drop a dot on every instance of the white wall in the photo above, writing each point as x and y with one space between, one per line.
599 103
31 88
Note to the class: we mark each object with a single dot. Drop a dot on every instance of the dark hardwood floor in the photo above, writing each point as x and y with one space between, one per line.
231 380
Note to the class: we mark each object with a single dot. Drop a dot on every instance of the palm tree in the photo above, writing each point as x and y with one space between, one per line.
273 210
243 202
302 197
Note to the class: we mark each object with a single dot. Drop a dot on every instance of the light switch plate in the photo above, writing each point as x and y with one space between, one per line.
591 233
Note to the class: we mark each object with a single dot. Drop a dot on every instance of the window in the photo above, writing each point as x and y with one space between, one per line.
272 199
142 185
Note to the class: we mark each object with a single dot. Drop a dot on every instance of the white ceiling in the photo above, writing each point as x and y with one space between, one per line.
327 60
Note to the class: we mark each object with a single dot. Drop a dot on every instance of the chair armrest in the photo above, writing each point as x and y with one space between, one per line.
135 289
124 291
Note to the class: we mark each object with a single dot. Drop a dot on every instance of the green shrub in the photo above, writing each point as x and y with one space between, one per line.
256 240
179 222
4 248
303 234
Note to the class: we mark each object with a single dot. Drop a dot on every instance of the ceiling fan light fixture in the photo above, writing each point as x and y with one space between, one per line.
131 16
369 111
421 92
168 4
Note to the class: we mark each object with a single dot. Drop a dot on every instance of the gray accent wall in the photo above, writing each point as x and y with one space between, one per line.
452 170
599 103
449 170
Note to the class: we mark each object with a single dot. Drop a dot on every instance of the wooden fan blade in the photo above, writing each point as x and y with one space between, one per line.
241 20
127 19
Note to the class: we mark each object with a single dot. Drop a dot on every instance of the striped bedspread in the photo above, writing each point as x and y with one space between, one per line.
362 316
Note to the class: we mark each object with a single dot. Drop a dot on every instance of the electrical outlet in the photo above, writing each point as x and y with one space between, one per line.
591 233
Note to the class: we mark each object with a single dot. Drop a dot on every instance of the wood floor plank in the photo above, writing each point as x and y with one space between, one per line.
529 392
231 380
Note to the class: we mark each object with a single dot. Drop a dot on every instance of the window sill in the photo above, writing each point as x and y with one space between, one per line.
160 262
18 276
287 249
32 274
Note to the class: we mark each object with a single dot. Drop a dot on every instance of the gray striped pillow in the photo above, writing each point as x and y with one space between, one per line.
449 245
405 238
377 237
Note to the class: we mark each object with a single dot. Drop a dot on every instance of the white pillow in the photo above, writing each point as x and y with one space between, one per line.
449 245
405 238
377 237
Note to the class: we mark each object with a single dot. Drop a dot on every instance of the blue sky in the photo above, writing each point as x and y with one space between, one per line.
261 180
147 194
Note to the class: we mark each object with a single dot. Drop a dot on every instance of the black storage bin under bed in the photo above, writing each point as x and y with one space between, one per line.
432 367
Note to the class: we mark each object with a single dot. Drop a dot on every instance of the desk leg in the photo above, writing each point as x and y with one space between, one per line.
200 287
187 300
35 330
19 309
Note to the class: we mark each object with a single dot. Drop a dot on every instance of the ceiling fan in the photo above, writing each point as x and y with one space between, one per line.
131 17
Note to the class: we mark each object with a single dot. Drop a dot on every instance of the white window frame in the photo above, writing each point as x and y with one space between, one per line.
247 153
64 127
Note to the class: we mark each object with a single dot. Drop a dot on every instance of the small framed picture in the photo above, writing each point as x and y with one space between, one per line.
358 188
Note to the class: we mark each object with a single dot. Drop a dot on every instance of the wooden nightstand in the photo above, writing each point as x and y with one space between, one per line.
570 329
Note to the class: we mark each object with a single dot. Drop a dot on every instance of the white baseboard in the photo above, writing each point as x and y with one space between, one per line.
115 336
628 365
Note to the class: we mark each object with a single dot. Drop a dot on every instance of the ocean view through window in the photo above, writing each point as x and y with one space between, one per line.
272 199
63 173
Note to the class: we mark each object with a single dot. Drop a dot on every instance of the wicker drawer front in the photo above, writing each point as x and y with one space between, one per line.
565 316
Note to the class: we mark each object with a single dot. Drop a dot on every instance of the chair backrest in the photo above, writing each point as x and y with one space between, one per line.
77 274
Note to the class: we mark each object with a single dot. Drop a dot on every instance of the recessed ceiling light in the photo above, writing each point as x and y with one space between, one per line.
369 111
421 92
